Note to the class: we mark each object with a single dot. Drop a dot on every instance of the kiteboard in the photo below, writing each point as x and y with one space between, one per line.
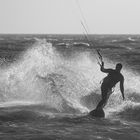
98 113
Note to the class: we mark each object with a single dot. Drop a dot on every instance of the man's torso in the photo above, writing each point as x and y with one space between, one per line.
112 78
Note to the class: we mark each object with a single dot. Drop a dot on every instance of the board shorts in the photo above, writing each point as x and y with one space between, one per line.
106 92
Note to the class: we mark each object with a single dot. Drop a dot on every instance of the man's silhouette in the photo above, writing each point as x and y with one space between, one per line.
114 76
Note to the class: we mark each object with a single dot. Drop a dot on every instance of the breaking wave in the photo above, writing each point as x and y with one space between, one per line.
43 77
128 40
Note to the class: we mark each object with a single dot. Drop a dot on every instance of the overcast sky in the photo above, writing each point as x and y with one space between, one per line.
63 16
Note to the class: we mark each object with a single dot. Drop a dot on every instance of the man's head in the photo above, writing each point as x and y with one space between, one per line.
118 66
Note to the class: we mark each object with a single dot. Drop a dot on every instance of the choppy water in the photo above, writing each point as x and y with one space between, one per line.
49 83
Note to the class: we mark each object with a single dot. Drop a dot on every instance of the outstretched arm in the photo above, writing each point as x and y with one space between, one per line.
122 87
103 69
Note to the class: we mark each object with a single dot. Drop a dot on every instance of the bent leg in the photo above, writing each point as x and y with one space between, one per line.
103 101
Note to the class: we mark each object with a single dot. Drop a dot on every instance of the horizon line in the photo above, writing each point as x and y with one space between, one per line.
68 34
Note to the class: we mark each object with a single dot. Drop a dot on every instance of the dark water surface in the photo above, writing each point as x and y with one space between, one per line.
49 83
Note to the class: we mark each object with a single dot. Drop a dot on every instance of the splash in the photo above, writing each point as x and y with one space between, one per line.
43 76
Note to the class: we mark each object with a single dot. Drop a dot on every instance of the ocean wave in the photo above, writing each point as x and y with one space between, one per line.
81 44
18 116
127 111
63 44
33 112
109 46
23 112
64 85
128 40
73 44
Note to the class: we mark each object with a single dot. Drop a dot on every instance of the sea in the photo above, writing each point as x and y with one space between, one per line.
50 82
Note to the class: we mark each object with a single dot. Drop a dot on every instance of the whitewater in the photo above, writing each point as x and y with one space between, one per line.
48 90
